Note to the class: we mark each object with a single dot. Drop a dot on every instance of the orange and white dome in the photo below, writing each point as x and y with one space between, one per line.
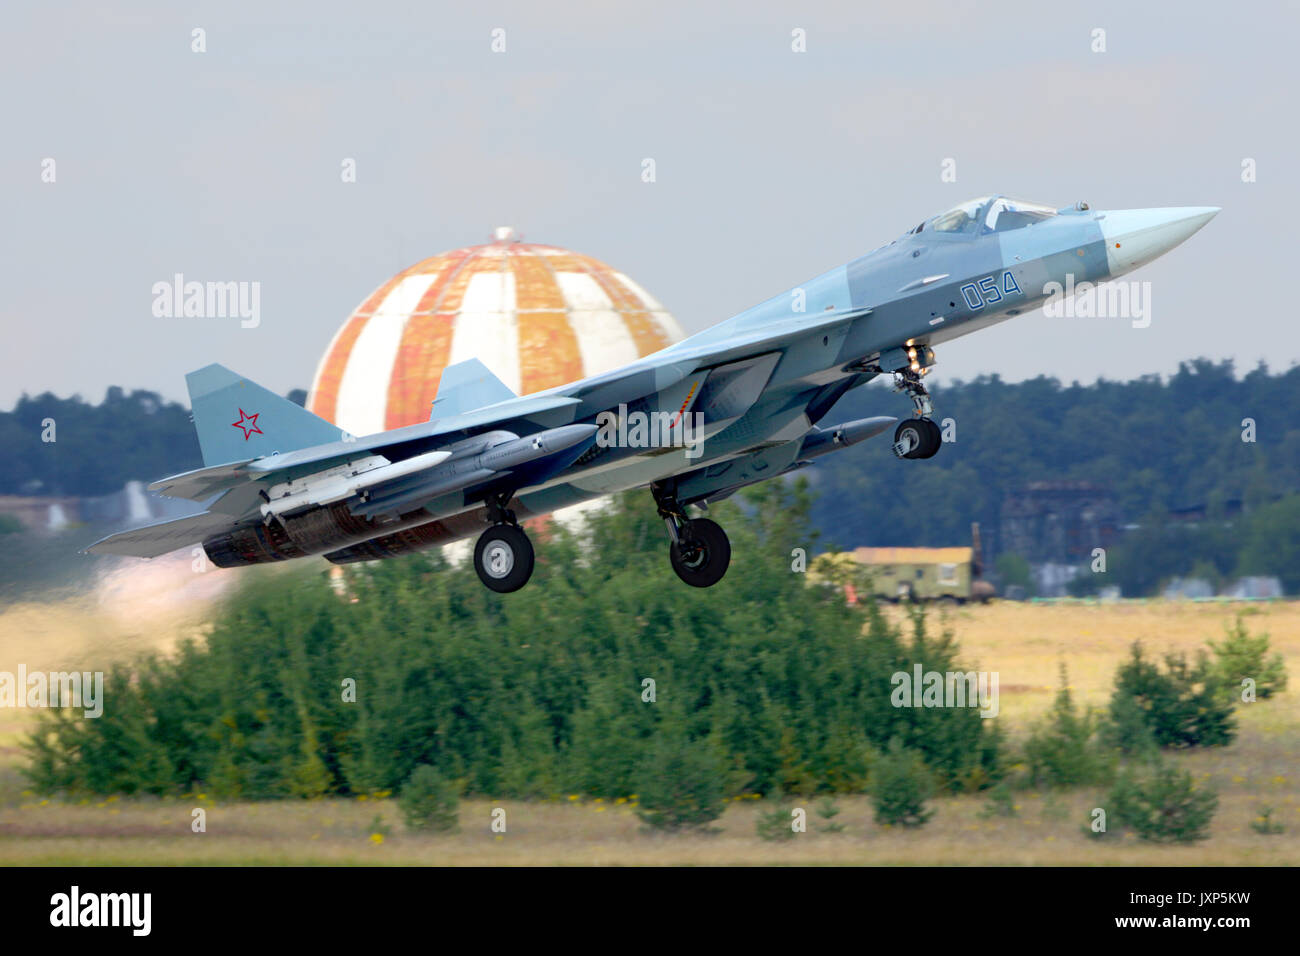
536 315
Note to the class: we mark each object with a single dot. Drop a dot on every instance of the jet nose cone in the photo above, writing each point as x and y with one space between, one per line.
1136 236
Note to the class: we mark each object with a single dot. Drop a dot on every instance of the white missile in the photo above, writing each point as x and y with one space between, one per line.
343 481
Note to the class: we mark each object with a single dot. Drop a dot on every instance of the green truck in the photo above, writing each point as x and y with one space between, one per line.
905 574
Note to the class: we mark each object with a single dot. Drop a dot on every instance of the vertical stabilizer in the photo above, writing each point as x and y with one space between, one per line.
237 419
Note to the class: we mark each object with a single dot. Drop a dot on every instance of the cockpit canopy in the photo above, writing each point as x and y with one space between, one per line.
987 214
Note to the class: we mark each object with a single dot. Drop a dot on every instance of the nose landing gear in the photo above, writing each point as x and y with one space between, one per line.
917 437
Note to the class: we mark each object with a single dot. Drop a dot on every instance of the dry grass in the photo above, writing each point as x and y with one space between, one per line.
1025 643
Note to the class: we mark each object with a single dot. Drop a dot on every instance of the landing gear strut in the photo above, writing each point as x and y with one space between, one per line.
917 437
503 557
699 550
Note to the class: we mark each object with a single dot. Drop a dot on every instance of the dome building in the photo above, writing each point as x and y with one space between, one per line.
538 316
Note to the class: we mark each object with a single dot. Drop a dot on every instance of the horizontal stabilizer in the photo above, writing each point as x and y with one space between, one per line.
466 386
204 483
163 537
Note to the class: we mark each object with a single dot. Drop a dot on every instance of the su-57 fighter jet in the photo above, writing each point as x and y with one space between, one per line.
736 404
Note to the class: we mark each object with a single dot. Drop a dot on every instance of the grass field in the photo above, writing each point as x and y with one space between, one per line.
1025 644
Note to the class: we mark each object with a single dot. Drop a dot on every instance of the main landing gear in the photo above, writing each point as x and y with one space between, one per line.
699 550
917 437
503 557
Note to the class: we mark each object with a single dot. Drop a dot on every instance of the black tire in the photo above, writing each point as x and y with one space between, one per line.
703 555
503 558
925 434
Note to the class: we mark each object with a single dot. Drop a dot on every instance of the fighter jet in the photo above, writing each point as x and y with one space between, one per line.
736 404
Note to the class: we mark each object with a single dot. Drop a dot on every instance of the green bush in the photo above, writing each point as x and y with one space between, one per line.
1161 804
900 786
1064 749
775 824
1001 802
1181 706
1264 824
525 696
429 802
828 810
1239 656
682 786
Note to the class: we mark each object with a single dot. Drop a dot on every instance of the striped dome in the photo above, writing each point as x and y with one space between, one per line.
536 315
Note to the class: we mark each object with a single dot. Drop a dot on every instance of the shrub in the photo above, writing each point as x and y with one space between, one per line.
1182 706
775 824
828 810
1161 803
683 784
1239 656
900 786
1064 749
429 801
1001 802
1265 824
377 829
523 699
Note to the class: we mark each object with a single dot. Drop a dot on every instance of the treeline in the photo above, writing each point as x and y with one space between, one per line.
96 449
1157 444
604 666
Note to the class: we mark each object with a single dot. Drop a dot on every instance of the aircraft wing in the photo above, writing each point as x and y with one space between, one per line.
553 407
164 536
742 343
493 416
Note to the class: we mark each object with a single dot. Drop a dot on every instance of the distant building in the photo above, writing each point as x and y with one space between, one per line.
1255 588
130 506
1058 522
1052 579
1187 588
1194 514
44 513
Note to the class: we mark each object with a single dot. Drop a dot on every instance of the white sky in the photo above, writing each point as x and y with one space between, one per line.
771 166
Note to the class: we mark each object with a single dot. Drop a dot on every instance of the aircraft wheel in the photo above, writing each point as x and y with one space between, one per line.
703 555
503 558
917 438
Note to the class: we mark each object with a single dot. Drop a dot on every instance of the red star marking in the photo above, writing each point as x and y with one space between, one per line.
248 423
